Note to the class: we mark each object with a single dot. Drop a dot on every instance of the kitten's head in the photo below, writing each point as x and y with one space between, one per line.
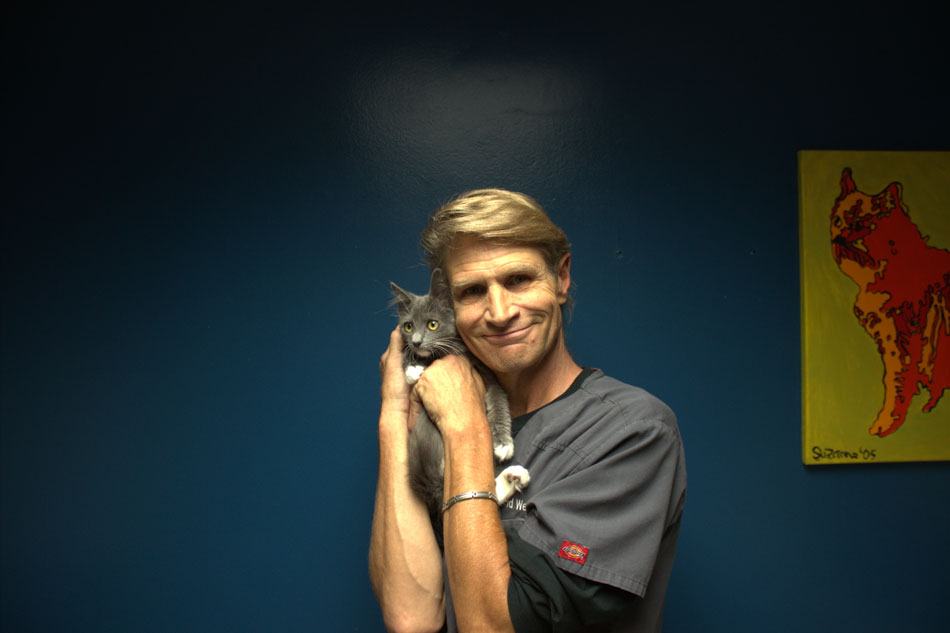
427 322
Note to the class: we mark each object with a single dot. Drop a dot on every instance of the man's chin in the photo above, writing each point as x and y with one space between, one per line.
507 363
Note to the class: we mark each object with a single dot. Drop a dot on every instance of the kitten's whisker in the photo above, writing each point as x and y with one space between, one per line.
454 346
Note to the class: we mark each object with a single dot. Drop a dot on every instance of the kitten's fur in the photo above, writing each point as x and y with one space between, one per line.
427 324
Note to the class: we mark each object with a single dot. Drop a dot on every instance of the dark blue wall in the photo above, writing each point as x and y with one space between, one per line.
201 213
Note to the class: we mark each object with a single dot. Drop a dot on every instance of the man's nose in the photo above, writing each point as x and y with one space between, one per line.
500 308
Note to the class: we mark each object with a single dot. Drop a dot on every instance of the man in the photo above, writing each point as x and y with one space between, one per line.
589 544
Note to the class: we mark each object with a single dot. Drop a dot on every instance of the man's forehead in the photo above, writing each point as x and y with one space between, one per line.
474 256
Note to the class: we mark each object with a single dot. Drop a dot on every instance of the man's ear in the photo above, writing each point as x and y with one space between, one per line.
563 278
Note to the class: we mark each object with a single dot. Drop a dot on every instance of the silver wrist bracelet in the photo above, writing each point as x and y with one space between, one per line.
474 494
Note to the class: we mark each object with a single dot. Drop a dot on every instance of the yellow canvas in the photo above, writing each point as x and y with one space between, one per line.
875 292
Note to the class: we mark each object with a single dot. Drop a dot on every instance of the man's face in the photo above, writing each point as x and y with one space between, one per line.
507 302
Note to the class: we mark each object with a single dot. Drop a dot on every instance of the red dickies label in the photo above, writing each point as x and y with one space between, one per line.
573 551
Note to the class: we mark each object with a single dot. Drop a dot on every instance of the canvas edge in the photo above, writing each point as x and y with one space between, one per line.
802 157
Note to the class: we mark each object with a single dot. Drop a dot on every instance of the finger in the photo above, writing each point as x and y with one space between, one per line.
393 350
395 339
415 406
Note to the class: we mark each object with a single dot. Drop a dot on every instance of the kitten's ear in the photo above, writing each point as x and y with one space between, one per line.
401 298
438 285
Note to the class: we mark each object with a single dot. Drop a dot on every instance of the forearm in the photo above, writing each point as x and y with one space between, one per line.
405 563
476 551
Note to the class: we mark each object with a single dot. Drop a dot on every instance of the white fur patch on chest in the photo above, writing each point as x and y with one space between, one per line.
413 372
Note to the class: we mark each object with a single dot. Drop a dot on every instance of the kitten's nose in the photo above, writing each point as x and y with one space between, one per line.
416 340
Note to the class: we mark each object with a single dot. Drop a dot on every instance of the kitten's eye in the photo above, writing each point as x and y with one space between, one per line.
433 325
407 326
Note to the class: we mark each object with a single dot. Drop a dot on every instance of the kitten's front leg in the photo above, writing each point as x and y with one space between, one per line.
413 372
511 480
499 417
504 452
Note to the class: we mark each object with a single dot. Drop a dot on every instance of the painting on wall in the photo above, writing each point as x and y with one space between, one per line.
875 301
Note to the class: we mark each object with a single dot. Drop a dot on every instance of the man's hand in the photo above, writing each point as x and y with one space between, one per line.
394 388
449 385
395 391
390 368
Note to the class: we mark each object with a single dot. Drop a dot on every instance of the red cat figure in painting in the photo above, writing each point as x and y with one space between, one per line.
903 296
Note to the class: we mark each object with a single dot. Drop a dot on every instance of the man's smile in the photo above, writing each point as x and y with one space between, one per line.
510 336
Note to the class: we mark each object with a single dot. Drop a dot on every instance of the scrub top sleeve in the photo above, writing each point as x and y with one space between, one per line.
605 519
545 598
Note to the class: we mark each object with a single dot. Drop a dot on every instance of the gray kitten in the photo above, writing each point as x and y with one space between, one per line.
427 324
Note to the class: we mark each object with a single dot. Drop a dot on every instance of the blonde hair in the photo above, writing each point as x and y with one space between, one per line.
495 215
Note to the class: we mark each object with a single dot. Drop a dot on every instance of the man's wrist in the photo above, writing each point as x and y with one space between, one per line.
394 405
393 418
464 427
469 462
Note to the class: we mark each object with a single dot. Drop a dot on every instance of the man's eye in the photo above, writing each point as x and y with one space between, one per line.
472 291
517 280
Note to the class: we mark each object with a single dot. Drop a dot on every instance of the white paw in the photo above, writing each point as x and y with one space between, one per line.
413 372
504 452
511 480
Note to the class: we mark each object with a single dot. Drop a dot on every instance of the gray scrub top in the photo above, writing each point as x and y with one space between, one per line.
608 485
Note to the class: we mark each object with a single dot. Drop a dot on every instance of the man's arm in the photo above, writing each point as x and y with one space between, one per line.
405 564
476 551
